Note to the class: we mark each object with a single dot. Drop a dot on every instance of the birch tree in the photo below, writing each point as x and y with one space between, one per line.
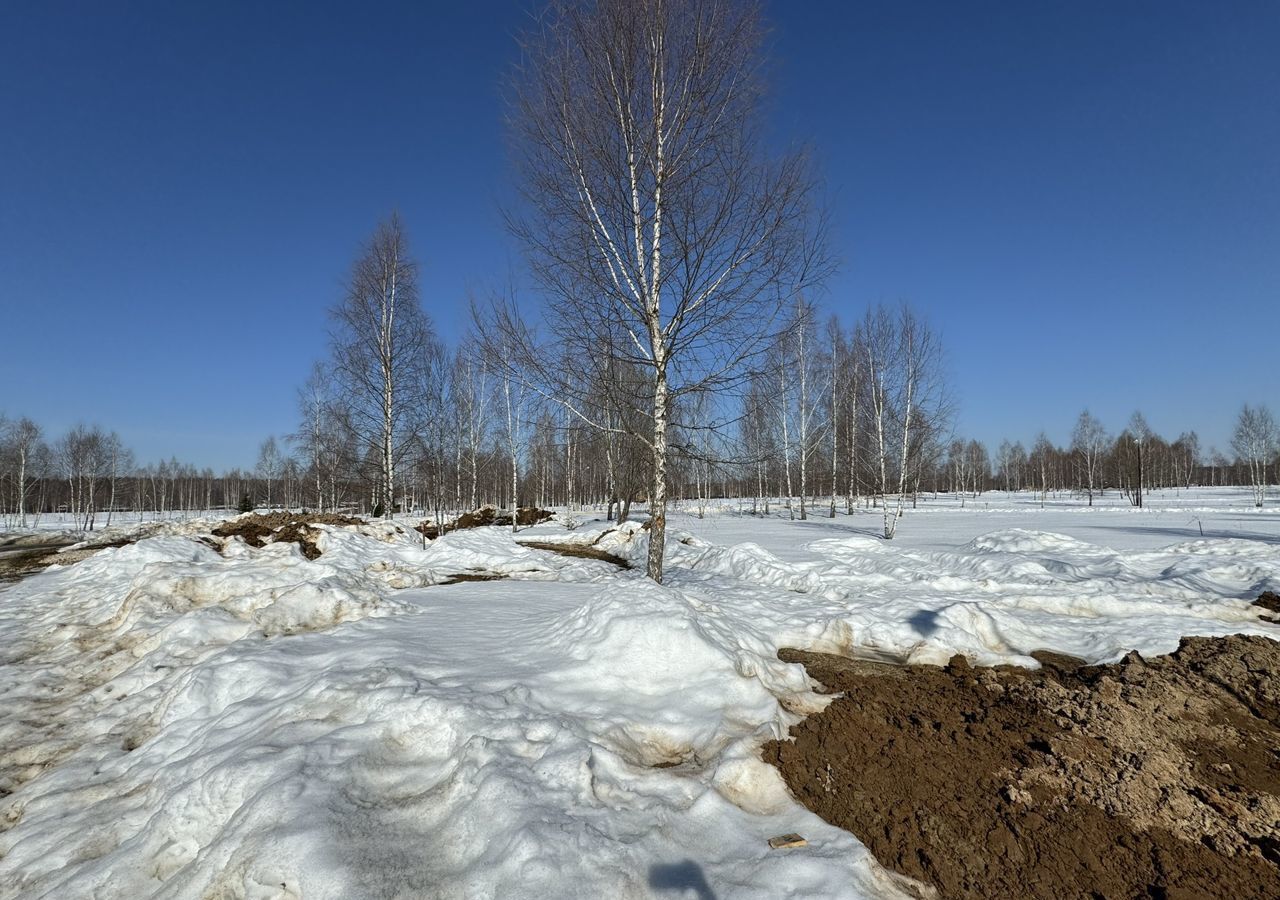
1255 442
471 393
1186 451
907 401
783 395
379 341
660 232
22 438
802 359
835 382
119 460
269 462
855 385
317 435
1089 443
757 437
502 323
1042 453
1140 435
978 466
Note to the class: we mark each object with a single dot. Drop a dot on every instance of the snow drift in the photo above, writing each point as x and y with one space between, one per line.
183 720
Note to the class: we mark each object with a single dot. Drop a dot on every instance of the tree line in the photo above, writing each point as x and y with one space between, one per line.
807 439
1131 463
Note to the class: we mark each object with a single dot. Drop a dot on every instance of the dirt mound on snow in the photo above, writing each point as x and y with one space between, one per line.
1147 778
486 516
1269 600
25 555
578 551
260 529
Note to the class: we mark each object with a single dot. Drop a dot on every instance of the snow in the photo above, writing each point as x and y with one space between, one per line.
183 722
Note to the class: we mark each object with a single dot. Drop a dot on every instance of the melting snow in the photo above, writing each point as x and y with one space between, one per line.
182 722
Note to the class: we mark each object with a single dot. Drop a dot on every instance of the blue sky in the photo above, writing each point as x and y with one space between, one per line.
1084 198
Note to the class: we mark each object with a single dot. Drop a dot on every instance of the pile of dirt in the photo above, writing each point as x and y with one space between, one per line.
260 529
1269 600
461 577
20 558
578 551
1146 778
486 516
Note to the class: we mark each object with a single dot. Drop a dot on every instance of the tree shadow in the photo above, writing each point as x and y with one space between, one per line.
924 621
830 525
682 876
1189 533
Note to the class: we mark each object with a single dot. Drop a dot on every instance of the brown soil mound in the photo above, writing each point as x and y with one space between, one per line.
486 516
460 577
1147 778
260 529
578 551
1269 600
16 564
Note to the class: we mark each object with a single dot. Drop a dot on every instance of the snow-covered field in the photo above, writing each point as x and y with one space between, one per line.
177 721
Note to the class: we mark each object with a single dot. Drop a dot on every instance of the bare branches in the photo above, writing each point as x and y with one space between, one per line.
1255 441
663 239
380 343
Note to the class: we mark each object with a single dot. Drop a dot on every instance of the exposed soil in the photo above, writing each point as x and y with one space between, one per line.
17 561
486 516
260 529
577 551
459 577
1146 778
1269 600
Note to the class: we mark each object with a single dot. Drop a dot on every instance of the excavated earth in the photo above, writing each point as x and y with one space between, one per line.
1147 778
260 529
486 516
28 554
1269 600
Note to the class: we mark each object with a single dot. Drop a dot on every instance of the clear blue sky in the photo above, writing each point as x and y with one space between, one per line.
1083 197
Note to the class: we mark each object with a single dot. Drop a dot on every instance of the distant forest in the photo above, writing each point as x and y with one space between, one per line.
90 473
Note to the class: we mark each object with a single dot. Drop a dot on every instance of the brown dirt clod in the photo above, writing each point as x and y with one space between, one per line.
460 577
484 517
1147 778
22 562
260 529
578 551
1269 600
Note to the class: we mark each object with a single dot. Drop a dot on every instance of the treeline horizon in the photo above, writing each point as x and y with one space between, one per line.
90 474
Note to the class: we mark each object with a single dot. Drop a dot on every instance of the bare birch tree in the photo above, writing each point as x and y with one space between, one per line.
1140 435
835 382
318 436
23 439
1255 443
1089 443
1042 453
801 357
379 342
660 232
500 323
908 404
269 463
854 386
